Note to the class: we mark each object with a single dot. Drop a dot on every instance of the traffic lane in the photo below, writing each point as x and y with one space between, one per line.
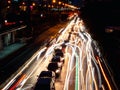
50 33
30 84
107 77
25 70
60 82
106 74
71 70
36 69
89 58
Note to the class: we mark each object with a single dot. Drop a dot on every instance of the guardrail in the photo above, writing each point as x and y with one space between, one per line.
14 29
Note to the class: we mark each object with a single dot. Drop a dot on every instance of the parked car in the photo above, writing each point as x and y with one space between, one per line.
56 67
45 83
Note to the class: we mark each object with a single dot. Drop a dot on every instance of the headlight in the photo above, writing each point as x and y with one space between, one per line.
57 71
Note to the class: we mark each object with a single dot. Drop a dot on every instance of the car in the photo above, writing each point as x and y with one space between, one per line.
48 73
45 83
58 52
58 59
54 66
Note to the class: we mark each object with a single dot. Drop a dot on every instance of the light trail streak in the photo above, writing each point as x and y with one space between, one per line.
89 70
96 88
76 66
77 75
71 67
105 77
42 62
18 82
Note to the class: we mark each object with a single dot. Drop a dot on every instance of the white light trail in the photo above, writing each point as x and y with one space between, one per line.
80 42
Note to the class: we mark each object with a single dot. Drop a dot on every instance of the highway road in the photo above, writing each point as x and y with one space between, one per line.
84 68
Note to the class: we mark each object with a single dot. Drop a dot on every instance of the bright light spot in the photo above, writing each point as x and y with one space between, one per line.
59 2
9 1
54 1
33 4
23 3
41 15
109 30
5 21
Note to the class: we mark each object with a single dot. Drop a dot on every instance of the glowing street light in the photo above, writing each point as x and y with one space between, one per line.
54 1
59 2
23 3
33 4
9 1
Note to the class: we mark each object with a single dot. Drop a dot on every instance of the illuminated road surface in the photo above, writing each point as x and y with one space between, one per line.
85 68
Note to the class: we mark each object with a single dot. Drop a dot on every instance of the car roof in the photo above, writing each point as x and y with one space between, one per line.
56 58
53 66
46 74
44 80
43 83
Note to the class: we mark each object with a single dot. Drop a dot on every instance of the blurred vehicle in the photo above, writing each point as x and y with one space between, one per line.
45 83
50 74
56 67
58 59
58 52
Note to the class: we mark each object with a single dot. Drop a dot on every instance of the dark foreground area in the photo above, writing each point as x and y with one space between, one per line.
104 23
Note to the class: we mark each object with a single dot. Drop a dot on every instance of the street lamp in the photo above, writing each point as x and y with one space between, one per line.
54 1
59 3
33 4
9 1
